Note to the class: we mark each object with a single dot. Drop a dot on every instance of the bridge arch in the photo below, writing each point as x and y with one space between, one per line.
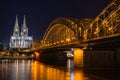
65 30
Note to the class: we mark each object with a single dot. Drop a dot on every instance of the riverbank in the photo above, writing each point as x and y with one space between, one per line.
17 57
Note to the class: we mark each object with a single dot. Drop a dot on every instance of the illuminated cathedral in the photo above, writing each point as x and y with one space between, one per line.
21 39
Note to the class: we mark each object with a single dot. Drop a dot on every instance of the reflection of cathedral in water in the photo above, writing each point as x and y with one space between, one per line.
20 40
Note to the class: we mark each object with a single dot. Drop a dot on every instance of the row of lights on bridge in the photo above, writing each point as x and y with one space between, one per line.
59 42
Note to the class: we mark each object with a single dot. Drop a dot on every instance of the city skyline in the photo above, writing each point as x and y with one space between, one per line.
39 14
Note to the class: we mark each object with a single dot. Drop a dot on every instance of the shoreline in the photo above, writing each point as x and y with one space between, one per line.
17 57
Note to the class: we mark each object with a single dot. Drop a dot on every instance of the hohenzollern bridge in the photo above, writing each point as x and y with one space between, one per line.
104 29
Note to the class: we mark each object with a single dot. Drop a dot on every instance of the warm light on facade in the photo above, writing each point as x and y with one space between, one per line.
78 57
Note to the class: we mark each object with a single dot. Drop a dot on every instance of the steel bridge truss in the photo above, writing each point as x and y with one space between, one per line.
64 31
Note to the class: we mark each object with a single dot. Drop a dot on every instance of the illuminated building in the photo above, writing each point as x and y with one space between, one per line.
21 39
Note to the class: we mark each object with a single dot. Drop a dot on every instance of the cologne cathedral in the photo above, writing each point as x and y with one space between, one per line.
20 40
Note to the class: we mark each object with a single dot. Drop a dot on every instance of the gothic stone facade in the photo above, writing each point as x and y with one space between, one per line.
21 39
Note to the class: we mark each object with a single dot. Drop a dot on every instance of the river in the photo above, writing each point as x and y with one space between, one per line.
35 70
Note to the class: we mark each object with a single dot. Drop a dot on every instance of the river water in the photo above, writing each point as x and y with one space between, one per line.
35 70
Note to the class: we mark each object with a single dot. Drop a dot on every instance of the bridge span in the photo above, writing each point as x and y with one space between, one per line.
99 38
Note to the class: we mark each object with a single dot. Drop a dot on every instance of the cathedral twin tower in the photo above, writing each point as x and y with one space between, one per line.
20 39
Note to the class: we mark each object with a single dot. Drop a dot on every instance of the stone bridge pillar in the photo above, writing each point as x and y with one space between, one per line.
78 57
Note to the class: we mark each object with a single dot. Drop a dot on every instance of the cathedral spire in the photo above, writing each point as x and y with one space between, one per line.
24 29
16 27
24 22
20 41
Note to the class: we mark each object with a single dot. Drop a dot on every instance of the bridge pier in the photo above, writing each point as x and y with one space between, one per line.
78 57
84 58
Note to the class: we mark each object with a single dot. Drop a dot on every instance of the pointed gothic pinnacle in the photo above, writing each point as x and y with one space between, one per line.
16 27
24 22
16 21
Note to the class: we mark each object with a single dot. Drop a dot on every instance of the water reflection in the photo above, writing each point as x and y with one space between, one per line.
35 70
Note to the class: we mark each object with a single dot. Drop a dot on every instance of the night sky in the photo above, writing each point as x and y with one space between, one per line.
40 13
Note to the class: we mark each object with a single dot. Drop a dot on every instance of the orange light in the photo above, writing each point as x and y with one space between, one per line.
37 55
67 39
78 57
